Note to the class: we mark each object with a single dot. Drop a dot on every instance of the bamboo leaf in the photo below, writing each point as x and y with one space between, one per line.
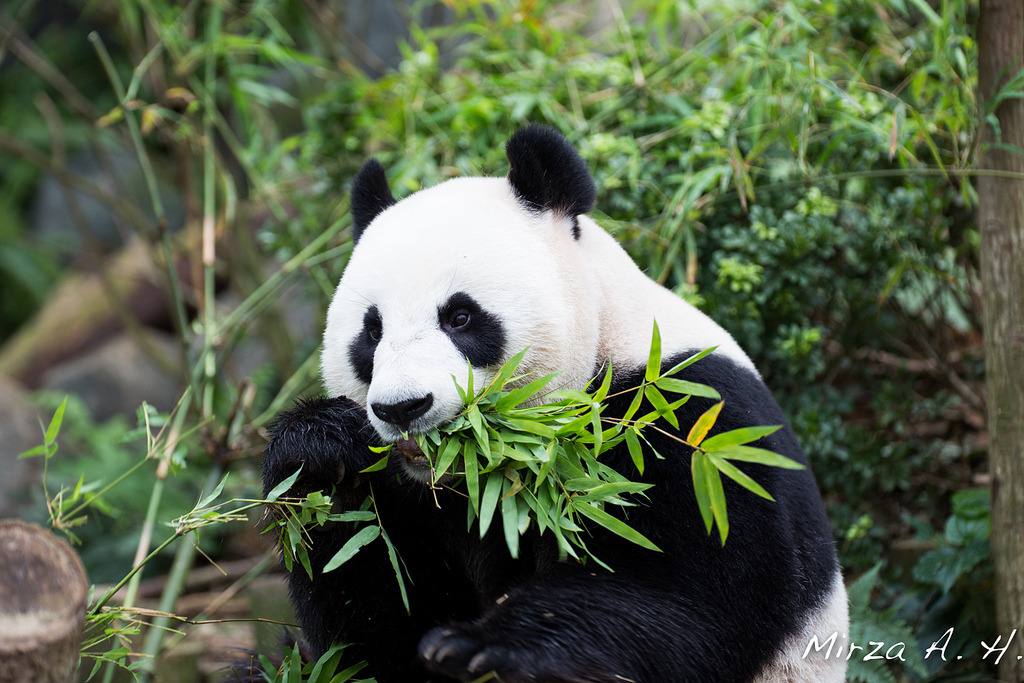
636 453
477 423
545 469
738 476
533 427
598 433
393 557
206 500
682 386
689 361
717 495
704 424
524 393
472 475
735 437
634 406
760 456
489 501
607 492
365 535
32 452
54 427
661 406
283 487
698 464
448 454
653 370
510 521
377 466
606 383
615 525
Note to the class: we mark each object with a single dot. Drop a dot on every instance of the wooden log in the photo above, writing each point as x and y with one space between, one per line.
43 592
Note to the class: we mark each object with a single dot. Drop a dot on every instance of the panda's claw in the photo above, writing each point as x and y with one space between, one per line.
433 642
457 653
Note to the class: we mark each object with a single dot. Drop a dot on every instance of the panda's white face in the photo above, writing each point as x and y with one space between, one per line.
458 274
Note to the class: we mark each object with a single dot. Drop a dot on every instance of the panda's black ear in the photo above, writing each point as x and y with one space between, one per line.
548 174
370 196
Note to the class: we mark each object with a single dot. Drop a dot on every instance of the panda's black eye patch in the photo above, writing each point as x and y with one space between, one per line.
360 350
477 333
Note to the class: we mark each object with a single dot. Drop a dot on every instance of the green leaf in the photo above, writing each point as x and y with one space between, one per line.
54 427
489 501
32 452
532 427
704 424
610 491
393 556
972 503
689 361
717 495
682 386
377 466
303 556
735 437
596 431
472 475
606 383
352 516
615 525
352 546
581 483
510 521
551 452
507 369
213 495
476 421
449 452
760 456
636 453
661 406
524 393
347 674
281 488
698 465
738 476
634 406
654 359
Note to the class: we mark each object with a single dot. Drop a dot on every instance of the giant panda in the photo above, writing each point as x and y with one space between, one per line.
468 273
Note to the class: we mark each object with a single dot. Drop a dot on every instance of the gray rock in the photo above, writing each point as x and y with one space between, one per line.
20 430
117 377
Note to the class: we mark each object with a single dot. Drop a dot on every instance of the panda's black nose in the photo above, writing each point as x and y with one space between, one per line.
404 412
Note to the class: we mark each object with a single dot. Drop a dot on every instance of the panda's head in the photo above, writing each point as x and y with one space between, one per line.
467 273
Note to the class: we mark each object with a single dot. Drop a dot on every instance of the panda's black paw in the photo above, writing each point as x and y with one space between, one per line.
456 652
328 437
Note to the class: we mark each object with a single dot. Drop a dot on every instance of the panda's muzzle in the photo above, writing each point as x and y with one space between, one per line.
403 413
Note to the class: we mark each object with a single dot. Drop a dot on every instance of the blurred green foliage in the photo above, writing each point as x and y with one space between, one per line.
797 168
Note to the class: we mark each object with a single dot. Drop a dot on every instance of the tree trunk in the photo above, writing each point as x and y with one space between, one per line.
43 592
1001 222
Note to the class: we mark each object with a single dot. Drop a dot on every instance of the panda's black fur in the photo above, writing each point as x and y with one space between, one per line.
697 611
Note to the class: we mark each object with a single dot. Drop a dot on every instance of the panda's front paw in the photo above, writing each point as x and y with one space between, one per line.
327 437
457 652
